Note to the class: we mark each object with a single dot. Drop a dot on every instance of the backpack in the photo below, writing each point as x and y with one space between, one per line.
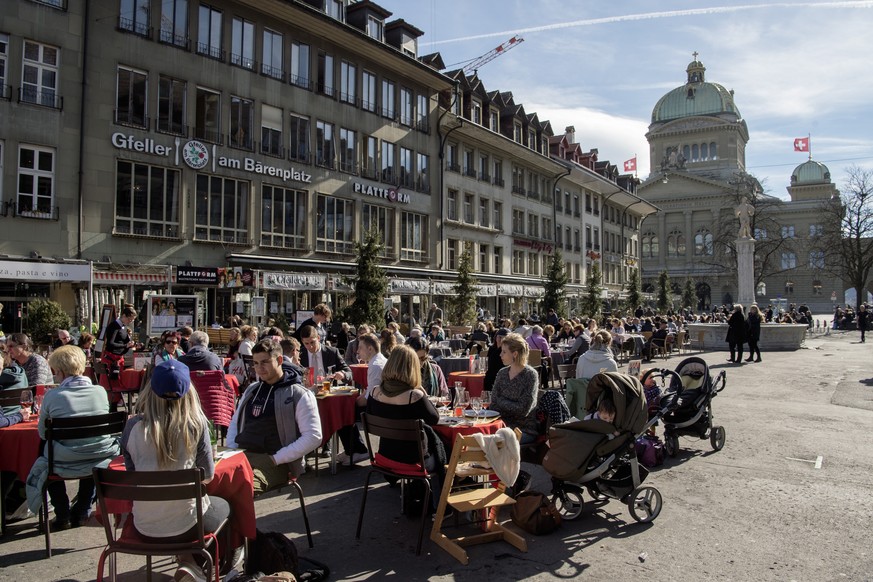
534 513
274 552
650 451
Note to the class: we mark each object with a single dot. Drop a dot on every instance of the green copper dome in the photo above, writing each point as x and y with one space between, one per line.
811 173
696 97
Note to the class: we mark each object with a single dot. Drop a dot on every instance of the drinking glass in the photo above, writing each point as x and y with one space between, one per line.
27 399
486 399
476 405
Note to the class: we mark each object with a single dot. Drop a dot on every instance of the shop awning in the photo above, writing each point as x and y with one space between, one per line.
505 289
31 272
409 286
295 281
126 278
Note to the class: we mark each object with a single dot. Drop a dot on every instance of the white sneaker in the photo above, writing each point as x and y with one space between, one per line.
360 457
23 512
188 572
342 458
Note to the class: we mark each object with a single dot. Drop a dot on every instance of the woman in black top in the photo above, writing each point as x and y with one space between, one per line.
753 329
117 339
399 397
736 335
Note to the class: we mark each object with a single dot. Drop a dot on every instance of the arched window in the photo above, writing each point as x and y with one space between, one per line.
704 152
686 152
650 245
703 243
695 153
675 243
713 152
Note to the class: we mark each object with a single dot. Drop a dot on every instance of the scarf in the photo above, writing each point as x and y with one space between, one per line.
394 387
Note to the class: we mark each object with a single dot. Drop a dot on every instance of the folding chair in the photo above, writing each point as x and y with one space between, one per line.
70 428
185 484
292 482
400 430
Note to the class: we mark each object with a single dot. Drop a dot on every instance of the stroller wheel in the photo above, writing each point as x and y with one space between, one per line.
569 502
716 437
645 503
671 444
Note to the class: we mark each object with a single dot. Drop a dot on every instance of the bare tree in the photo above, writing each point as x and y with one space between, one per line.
846 242
770 241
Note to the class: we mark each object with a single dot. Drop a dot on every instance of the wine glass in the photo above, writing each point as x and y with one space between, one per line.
27 399
486 399
464 400
476 405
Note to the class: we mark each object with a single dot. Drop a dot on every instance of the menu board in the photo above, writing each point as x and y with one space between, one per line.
170 312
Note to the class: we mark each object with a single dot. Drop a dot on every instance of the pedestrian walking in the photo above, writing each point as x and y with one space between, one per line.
863 315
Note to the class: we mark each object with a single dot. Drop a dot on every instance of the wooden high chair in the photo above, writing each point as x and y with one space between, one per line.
466 461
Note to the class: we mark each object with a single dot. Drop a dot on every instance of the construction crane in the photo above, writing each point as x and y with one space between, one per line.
473 66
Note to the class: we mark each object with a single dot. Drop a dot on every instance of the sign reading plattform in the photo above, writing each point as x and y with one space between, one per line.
198 156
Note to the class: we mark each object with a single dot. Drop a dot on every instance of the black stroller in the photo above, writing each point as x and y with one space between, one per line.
688 392
582 455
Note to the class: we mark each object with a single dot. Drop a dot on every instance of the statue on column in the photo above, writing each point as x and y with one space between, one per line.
745 212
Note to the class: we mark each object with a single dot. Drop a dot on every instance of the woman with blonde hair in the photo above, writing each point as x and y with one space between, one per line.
170 433
401 397
598 358
514 394
388 341
753 329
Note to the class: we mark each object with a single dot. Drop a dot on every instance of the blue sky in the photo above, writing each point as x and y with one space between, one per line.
797 68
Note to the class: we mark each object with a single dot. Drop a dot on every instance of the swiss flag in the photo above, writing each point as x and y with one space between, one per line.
631 165
801 144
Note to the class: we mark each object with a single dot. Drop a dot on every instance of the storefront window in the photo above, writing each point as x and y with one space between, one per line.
146 200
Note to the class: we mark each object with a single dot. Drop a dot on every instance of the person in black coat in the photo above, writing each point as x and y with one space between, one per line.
753 333
736 335
494 361
863 317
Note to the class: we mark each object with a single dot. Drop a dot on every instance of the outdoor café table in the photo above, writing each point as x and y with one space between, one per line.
439 352
473 383
457 344
359 375
128 382
233 481
19 447
448 429
335 410
449 365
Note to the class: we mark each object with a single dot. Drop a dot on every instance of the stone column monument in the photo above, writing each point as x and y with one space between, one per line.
745 255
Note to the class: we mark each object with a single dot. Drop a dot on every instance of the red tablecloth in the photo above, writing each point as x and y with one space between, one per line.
19 447
129 381
473 383
359 374
335 411
450 433
233 481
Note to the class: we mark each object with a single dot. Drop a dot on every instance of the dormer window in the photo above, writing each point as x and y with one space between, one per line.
517 133
476 113
532 139
375 28
335 9
495 121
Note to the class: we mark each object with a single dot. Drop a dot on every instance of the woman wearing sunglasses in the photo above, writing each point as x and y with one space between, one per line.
168 349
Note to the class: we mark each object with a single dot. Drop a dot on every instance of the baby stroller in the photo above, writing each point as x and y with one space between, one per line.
688 392
583 456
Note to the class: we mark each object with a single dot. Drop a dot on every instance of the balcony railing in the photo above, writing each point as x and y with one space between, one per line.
470 172
273 72
243 62
131 119
138 28
41 212
171 127
498 182
453 167
45 98
177 40
518 190
240 142
484 176
272 149
210 135
212 52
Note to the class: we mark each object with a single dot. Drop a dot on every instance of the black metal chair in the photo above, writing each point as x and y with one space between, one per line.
156 486
70 428
399 430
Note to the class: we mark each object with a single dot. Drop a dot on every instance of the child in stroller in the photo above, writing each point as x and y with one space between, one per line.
687 393
582 456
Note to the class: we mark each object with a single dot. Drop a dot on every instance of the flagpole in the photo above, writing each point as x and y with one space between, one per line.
809 141
636 165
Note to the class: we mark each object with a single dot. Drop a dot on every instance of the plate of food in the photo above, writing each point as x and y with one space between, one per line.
342 389
489 414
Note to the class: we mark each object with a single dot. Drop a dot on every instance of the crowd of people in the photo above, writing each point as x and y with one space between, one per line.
276 420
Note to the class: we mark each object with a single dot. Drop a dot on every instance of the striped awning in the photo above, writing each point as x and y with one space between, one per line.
124 278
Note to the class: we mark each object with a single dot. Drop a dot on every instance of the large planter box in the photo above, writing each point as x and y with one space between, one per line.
774 336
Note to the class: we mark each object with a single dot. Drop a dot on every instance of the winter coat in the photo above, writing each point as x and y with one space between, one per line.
736 328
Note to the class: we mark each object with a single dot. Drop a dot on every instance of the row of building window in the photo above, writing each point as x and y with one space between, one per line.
473 111
344 150
487 214
317 70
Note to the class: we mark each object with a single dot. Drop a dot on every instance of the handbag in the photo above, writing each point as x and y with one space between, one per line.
535 514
